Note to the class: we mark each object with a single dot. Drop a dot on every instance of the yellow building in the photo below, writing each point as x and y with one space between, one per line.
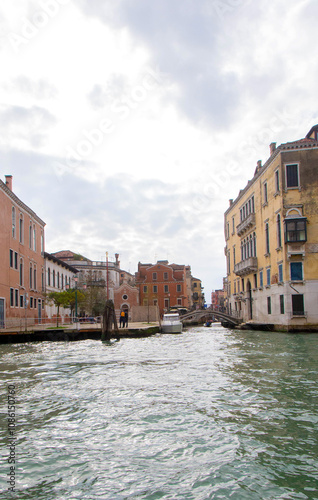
271 233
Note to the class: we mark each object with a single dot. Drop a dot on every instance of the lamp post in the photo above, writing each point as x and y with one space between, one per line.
75 279
107 293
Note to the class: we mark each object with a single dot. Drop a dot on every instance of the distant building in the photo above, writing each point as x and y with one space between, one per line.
217 300
163 285
22 266
197 293
59 276
271 233
105 274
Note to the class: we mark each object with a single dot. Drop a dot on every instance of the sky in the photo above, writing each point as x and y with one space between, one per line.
129 124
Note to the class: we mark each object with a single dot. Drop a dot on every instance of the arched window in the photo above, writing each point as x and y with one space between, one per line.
31 274
254 244
21 228
266 238
21 273
13 222
30 235
49 276
34 238
279 231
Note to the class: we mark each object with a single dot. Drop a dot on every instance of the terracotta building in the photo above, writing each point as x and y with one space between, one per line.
163 285
22 265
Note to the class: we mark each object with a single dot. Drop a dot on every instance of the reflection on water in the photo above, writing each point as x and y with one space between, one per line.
209 414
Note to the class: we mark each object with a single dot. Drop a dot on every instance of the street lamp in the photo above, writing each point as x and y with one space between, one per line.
75 279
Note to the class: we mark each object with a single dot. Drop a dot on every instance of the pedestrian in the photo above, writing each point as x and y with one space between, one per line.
126 319
122 319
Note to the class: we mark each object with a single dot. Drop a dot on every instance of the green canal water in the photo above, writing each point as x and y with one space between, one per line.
209 414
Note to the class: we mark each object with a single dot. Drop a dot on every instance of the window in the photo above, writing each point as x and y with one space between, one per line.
269 305
282 305
49 276
295 230
179 302
154 276
13 222
195 285
292 177
277 181
21 301
11 258
31 274
125 296
145 289
255 280
279 231
178 288
34 238
34 278
11 297
280 273
21 273
155 289
15 260
31 301
266 238
261 279
229 262
296 271
30 235
233 225
265 192
21 228
166 304
42 242
58 279
165 276
268 277
234 258
243 285
298 304
53 276
166 288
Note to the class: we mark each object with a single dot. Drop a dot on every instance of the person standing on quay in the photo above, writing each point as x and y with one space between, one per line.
122 319
126 319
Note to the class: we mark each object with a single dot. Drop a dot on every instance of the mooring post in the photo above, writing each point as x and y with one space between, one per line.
109 318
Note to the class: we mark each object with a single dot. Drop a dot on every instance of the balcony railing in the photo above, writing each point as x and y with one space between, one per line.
246 224
246 266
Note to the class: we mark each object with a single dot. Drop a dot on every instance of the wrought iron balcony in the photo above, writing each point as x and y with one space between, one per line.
246 224
247 266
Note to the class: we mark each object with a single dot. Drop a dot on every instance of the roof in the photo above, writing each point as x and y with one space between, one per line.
17 200
50 256
306 142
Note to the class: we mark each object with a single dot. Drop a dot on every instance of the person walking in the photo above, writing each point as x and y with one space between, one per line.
126 319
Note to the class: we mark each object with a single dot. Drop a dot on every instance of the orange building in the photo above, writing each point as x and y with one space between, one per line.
163 285
22 260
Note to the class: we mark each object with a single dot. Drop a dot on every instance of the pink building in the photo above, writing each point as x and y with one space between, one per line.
22 260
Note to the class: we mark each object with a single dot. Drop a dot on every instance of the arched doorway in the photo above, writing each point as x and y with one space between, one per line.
249 298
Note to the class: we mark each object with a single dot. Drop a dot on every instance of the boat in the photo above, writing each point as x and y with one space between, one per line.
171 323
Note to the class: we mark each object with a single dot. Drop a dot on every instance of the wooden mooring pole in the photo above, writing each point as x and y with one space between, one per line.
109 318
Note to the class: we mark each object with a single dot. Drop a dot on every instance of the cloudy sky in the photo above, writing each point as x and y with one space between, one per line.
128 124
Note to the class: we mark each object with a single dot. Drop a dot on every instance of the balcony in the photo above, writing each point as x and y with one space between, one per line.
246 224
247 266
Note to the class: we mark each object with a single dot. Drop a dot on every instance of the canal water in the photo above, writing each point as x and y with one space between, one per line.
209 414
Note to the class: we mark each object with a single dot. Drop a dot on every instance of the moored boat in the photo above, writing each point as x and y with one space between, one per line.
171 323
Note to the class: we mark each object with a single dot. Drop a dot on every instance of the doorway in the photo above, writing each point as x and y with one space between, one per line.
249 298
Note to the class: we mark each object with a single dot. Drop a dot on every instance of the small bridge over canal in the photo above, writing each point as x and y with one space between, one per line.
209 313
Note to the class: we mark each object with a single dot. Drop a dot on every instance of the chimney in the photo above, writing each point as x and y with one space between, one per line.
272 147
231 202
117 263
259 165
9 181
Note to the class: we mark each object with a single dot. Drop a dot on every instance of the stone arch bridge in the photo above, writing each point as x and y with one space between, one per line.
209 313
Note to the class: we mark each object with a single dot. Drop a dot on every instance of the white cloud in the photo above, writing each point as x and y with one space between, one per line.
139 120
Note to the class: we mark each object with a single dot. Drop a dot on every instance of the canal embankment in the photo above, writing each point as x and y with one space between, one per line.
75 332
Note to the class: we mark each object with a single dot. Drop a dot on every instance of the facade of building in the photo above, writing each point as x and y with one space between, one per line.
163 285
22 268
59 276
217 300
105 274
197 293
126 297
271 233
